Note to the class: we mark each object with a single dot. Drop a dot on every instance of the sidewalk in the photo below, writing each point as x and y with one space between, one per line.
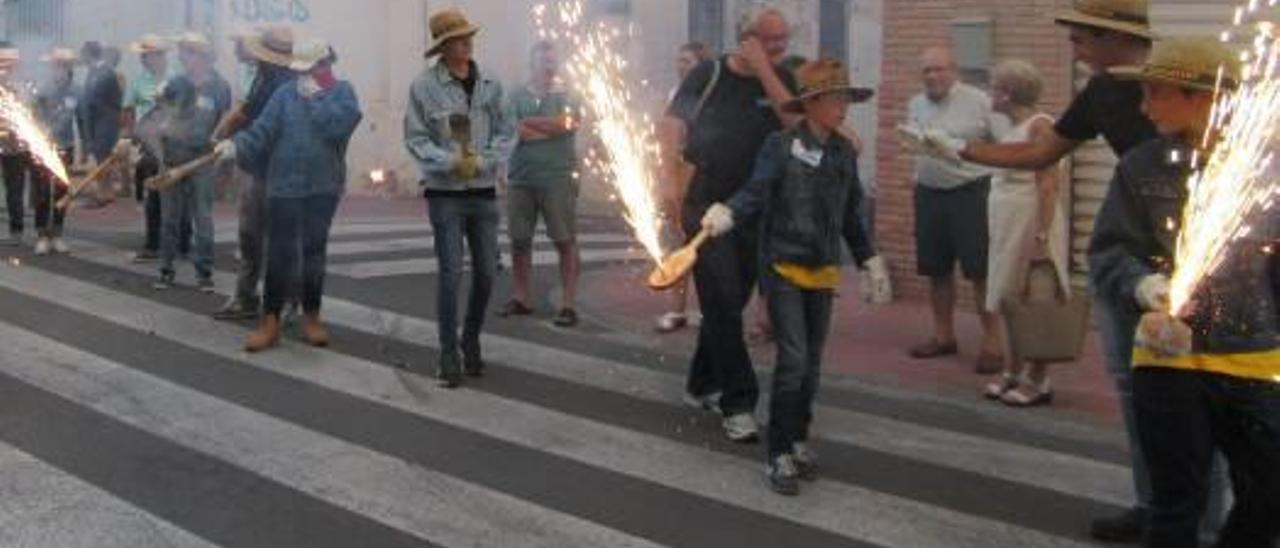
866 343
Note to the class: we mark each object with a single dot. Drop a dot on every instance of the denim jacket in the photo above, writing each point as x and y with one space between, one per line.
806 209
1236 307
436 95
56 110
302 141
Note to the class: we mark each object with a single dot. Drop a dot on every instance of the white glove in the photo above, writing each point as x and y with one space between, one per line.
307 86
875 286
911 139
123 146
939 143
1152 292
1163 334
225 150
718 219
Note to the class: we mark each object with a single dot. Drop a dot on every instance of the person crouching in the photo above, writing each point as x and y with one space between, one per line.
302 138
805 186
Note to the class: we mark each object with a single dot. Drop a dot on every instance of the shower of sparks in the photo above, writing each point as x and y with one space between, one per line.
18 121
1238 182
597 72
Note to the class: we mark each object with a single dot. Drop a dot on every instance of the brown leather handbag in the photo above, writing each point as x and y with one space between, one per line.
1043 323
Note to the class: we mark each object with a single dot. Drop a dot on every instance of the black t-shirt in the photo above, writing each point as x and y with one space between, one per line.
469 83
727 134
1109 107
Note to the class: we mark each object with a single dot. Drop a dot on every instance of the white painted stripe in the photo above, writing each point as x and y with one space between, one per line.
227 232
1064 473
401 267
843 509
44 506
427 243
428 504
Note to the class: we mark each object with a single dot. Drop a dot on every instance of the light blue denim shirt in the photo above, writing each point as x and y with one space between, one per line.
436 95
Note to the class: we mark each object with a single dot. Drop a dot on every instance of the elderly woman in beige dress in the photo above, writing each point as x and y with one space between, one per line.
1026 221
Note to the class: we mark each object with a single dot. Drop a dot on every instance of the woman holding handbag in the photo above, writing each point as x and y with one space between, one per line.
1026 224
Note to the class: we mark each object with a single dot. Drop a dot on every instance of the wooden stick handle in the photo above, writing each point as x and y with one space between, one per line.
701 238
89 179
169 177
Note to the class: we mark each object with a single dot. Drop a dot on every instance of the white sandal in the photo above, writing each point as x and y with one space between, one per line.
1003 384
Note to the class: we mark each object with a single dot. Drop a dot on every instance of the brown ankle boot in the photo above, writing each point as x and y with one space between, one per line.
267 335
313 331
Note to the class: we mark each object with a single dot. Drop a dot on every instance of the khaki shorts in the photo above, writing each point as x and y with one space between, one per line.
556 204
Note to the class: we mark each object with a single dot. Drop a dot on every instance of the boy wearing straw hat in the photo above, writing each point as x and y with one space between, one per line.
805 188
1207 380
55 108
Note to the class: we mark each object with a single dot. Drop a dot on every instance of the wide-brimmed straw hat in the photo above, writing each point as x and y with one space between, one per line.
1126 16
823 77
309 54
60 55
149 43
273 45
1192 63
195 41
446 25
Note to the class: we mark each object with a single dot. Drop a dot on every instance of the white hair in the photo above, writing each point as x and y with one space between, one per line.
1022 80
752 16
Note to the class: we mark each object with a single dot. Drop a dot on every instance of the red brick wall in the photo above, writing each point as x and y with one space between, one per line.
1020 29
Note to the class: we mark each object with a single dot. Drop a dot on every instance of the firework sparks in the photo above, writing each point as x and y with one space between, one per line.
19 122
598 73
1238 181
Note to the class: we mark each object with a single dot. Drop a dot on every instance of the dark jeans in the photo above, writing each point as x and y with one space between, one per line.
251 237
800 319
475 220
15 168
297 225
45 193
1183 418
181 204
146 168
724 276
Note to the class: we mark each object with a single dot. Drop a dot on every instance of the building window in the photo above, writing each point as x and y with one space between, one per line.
706 23
609 9
971 39
833 29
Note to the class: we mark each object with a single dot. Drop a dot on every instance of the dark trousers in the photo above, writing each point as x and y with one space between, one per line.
725 277
297 225
251 238
147 168
800 319
1183 417
15 168
45 193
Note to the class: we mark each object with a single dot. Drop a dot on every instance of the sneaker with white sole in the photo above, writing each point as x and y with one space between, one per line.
165 282
205 285
806 461
42 246
670 322
783 476
741 428
60 246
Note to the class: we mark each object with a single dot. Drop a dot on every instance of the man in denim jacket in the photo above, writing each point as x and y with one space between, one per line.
457 130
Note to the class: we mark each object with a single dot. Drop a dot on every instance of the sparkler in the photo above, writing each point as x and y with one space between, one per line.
1238 182
22 125
598 72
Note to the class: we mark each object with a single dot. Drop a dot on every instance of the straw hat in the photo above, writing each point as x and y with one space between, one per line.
821 77
309 54
60 55
1125 16
446 25
149 43
273 45
195 41
1191 63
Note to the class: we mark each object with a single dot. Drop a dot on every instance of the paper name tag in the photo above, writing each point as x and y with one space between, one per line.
204 102
811 157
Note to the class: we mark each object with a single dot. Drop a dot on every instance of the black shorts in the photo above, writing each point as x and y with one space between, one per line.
951 226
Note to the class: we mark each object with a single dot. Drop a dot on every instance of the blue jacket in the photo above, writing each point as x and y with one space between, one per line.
194 113
303 142
436 95
807 210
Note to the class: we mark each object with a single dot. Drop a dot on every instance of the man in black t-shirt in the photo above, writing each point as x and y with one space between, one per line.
728 107
1104 34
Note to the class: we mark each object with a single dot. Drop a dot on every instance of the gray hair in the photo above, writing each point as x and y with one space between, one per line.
751 18
1021 79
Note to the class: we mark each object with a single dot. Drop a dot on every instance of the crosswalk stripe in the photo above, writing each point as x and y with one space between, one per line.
430 505
426 243
1064 473
845 509
44 506
424 266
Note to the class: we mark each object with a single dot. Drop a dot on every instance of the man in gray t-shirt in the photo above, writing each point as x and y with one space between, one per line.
951 205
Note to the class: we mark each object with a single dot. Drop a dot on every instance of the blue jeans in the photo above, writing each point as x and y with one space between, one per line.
188 201
297 224
800 320
1184 417
453 220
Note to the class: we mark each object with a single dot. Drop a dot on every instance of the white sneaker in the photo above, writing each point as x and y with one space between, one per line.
42 246
741 428
60 246
671 321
